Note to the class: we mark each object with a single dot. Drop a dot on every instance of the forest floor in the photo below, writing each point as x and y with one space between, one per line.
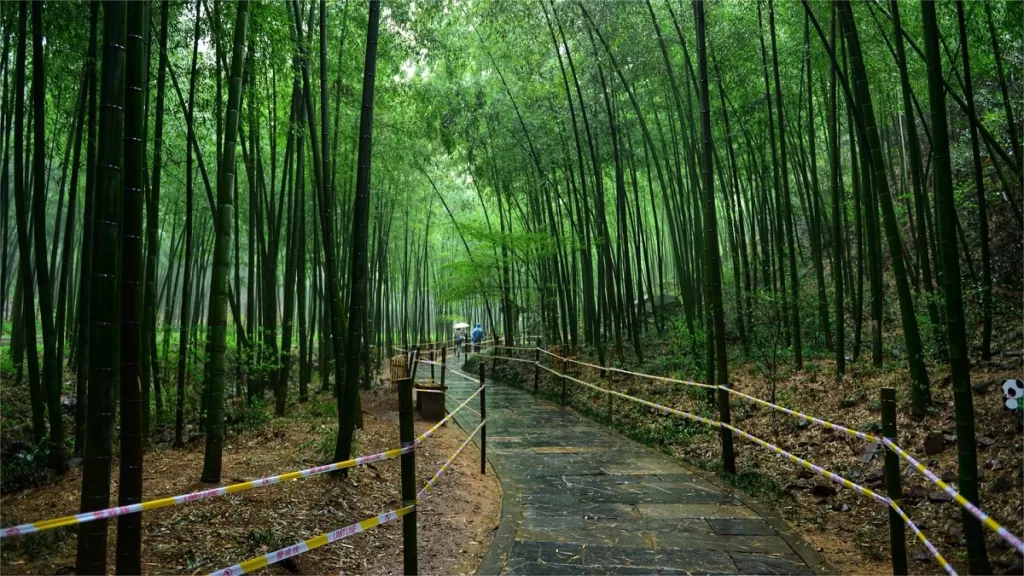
456 520
849 530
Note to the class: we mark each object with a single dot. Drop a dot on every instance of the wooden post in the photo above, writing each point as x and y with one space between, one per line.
536 366
406 434
494 361
725 434
564 399
893 488
433 357
610 418
483 428
444 364
413 363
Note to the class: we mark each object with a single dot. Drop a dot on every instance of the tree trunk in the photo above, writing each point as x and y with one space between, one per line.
221 255
104 329
711 242
916 178
838 206
129 527
979 186
920 390
27 325
787 208
186 287
967 456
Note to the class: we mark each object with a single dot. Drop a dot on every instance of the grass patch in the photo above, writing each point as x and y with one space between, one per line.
38 544
756 483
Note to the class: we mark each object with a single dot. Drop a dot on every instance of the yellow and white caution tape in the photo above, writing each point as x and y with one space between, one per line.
450 415
853 486
315 542
342 533
920 536
818 421
664 379
813 467
196 496
650 404
1005 534
984 518
231 489
437 475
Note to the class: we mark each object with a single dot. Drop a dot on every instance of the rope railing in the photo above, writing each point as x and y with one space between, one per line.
428 345
510 358
984 518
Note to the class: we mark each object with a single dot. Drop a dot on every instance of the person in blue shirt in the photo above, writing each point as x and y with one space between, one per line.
477 336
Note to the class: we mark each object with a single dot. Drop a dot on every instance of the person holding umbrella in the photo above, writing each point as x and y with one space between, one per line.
460 337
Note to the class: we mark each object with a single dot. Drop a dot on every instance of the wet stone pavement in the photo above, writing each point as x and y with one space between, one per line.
581 499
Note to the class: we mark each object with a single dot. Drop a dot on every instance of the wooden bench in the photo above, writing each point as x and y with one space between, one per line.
430 401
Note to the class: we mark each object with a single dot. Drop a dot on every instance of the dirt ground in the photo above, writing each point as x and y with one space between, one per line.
849 530
456 521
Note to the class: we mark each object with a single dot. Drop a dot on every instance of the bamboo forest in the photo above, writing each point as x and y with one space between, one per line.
743 279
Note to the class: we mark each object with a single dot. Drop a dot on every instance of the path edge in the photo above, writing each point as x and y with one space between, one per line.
814 560
511 515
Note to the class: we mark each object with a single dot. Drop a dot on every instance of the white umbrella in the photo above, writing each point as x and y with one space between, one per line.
459 325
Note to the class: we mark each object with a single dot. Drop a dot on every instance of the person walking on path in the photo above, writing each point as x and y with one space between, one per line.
459 338
477 336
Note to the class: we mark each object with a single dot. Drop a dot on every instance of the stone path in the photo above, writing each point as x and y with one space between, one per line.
581 499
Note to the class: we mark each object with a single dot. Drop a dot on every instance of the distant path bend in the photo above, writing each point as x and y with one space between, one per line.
581 499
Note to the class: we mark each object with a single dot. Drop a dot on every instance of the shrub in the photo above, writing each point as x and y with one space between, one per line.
252 416
23 465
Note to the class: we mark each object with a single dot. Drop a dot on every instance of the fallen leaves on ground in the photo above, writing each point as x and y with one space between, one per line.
456 521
